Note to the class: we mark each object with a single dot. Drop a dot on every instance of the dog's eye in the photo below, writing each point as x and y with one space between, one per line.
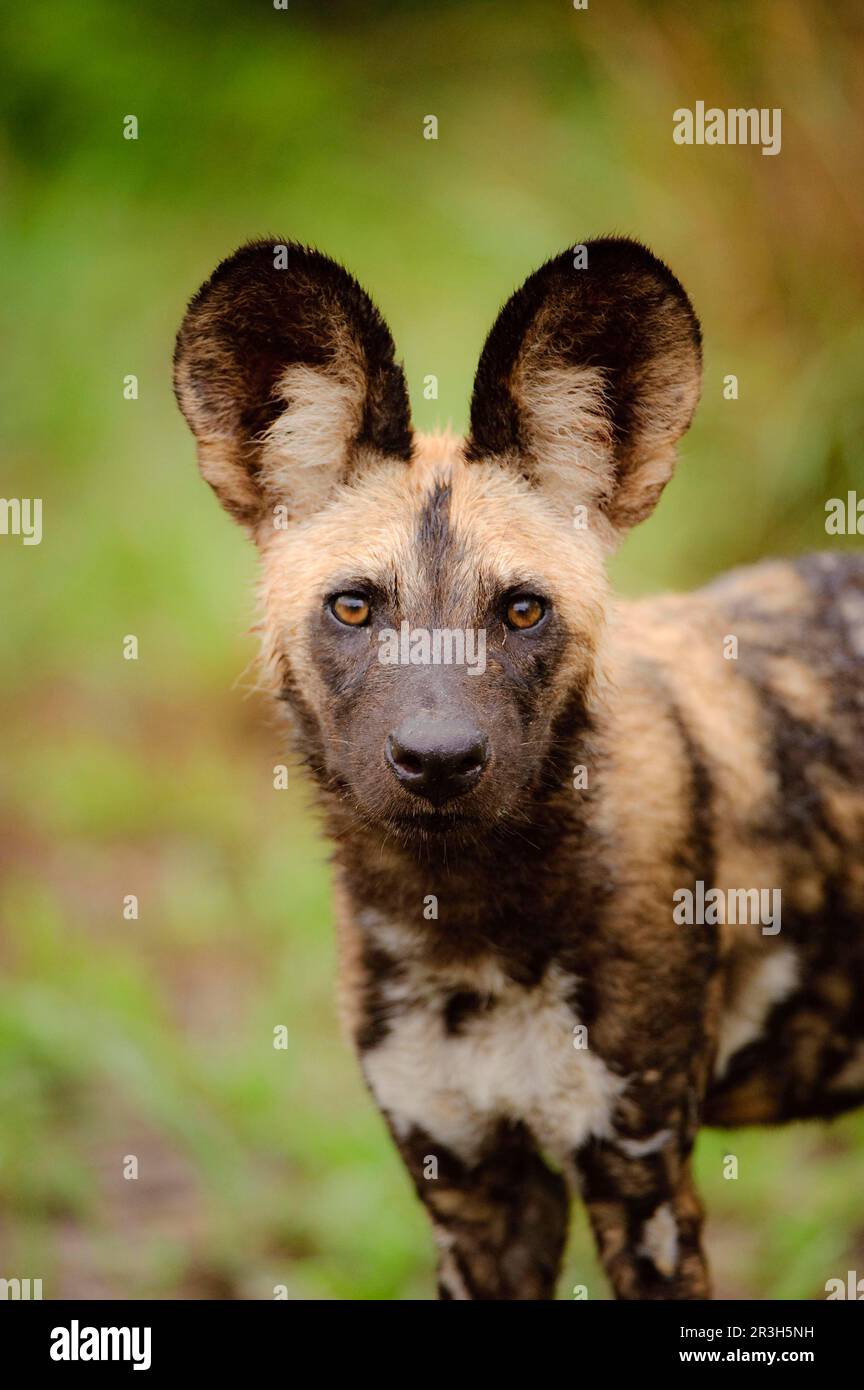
525 610
351 609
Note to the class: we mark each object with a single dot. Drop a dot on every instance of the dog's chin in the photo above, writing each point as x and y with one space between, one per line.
423 815
419 823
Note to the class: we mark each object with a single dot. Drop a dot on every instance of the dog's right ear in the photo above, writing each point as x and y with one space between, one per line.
285 372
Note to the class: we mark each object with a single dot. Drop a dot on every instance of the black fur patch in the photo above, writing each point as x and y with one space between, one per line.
433 528
379 969
462 1006
698 852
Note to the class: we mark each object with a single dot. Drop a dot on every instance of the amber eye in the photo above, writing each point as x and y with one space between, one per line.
351 609
525 610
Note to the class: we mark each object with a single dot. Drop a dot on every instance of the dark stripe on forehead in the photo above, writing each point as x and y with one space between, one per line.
433 527
437 548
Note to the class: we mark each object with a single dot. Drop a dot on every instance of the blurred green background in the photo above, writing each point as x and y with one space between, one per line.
154 1037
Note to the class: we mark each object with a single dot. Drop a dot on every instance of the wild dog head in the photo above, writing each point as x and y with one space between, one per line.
434 608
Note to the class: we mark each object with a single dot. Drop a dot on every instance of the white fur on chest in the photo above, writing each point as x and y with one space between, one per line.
515 1061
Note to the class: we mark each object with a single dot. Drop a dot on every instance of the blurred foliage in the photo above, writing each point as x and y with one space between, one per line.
154 1037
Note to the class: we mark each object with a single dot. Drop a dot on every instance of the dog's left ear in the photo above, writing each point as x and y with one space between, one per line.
588 378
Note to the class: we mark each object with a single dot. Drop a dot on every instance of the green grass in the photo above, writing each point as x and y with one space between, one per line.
153 1037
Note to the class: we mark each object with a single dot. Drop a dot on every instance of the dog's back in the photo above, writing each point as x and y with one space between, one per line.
761 676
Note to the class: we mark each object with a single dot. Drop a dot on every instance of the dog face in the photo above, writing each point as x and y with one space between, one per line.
434 608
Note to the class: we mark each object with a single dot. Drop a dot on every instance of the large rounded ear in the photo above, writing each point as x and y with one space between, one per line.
588 378
285 372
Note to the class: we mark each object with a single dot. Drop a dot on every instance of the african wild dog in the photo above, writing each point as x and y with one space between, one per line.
554 902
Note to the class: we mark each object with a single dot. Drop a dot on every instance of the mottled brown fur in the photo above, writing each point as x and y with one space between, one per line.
553 902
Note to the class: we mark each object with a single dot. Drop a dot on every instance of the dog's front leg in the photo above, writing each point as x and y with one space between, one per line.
647 1220
499 1214
500 1222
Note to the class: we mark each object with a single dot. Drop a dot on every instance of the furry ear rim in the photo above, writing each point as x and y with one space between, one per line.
589 377
285 372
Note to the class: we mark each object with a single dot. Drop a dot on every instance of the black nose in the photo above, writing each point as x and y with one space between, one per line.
437 757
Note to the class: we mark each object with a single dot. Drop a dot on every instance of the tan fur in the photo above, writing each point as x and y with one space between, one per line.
306 450
571 435
508 521
670 396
